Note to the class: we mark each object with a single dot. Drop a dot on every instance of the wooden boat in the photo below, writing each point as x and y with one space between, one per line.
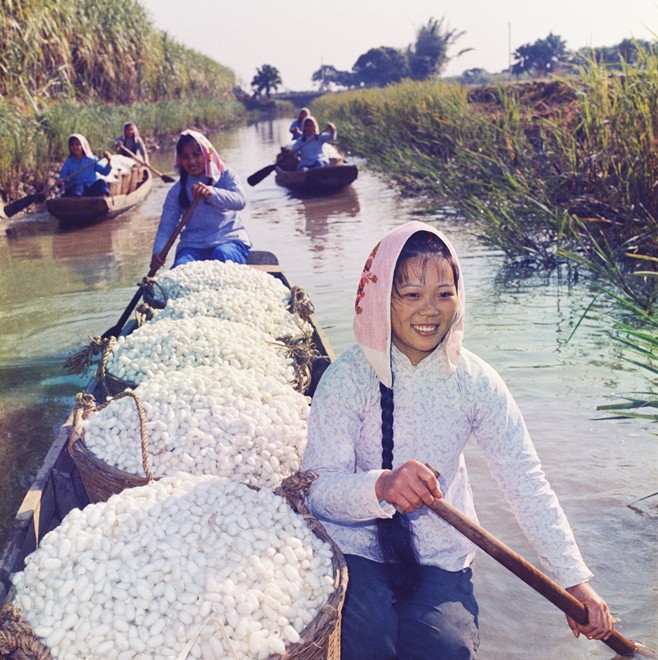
327 179
130 189
58 486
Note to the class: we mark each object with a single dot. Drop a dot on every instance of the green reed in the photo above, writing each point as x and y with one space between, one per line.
543 170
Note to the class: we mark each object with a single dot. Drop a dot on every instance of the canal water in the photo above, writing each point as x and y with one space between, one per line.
59 287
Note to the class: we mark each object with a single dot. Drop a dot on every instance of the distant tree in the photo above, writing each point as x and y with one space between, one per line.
540 57
627 51
475 76
328 75
379 67
429 55
267 78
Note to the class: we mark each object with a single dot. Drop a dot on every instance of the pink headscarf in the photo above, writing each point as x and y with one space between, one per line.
214 164
86 149
372 320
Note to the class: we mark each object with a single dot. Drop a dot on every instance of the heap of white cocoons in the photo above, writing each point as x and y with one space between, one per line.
172 344
198 565
255 308
198 276
206 420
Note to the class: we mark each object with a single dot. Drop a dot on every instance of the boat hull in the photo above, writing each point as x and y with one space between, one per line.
318 179
81 211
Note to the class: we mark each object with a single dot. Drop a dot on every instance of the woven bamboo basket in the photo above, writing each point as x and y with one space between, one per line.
320 640
100 479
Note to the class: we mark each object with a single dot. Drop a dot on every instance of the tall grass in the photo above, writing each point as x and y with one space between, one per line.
87 66
545 170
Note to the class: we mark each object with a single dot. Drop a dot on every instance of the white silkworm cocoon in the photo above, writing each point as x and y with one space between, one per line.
160 588
171 344
250 419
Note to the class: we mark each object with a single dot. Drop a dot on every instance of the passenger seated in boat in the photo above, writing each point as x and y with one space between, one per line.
215 230
407 394
297 126
309 146
131 140
86 168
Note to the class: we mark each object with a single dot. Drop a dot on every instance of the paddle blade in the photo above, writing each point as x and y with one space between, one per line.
257 177
23 203
167 179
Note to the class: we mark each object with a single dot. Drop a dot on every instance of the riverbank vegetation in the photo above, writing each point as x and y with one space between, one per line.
545 170
555 173
87 66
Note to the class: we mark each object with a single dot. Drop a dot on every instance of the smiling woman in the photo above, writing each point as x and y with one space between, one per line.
215 231
424 301
405 396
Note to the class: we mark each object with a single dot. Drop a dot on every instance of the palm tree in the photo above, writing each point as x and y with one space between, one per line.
267 78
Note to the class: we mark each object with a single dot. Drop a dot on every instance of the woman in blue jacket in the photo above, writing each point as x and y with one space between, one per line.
215 229
310 145
81 170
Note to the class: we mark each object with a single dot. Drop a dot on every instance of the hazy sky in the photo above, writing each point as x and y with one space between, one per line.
298 37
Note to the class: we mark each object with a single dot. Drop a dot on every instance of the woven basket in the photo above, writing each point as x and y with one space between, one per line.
100 479
320 640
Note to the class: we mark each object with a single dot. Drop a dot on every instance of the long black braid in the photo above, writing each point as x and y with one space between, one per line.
396 540
395 535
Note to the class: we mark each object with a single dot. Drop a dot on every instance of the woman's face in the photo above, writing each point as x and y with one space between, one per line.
423 306
130 131
309 128
76 149
191 159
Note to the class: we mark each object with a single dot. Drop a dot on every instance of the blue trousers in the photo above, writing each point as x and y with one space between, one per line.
440 620
100 188
229 251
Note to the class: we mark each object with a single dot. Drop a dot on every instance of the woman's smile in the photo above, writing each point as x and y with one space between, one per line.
424 305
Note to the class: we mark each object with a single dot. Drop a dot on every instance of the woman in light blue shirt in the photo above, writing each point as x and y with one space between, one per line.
215 229
310 145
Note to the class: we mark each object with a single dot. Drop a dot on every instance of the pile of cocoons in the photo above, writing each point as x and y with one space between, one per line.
186 566
206 420
205 560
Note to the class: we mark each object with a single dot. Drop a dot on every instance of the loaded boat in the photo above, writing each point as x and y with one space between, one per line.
129 186
59 486
319 180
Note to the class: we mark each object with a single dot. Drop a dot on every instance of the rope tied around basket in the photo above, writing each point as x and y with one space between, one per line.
85 404
300 303
17 640
301 350
80 362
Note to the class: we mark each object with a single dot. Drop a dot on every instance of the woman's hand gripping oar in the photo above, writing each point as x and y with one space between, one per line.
80 362
541 583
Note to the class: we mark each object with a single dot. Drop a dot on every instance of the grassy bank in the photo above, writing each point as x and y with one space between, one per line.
544 170
87 66
34 146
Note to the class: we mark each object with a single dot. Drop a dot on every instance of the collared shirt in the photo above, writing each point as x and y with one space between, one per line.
213 222
434 417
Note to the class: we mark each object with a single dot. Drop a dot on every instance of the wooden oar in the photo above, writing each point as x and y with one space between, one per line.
528 573
257 177
24 202
165 177
118 326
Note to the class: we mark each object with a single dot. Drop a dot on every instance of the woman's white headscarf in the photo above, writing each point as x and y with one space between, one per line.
86 149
